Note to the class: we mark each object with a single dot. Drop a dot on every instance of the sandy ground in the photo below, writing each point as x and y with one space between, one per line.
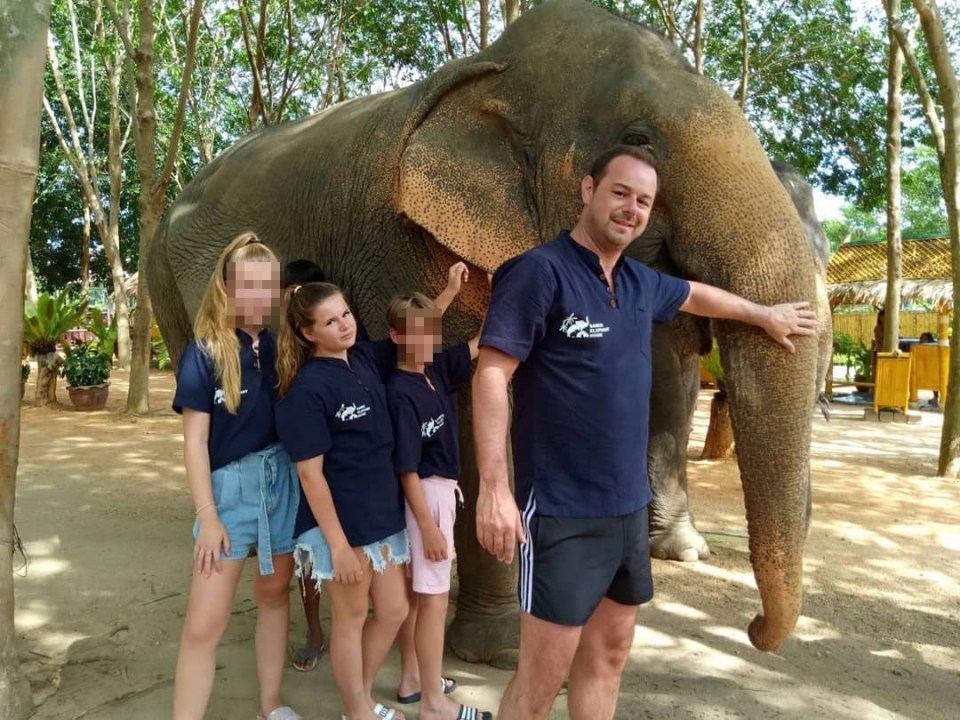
105 517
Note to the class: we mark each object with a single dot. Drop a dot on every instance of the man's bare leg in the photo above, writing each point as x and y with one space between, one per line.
599 661
546 652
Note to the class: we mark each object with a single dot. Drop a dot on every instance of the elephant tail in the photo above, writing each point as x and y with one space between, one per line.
171 314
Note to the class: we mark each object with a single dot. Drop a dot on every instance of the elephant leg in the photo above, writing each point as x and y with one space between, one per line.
486 626
676 380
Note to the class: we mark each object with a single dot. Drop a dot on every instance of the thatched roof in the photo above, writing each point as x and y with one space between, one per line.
857 272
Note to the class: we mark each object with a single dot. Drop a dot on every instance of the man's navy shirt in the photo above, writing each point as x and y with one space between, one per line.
581 394
198 388
339 410
426 438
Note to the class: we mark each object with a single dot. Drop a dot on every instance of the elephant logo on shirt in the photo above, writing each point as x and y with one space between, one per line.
431 426
346 413
575 327
219 396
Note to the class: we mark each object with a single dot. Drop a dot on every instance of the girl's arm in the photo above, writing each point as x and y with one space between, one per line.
434 543
196 456
346 562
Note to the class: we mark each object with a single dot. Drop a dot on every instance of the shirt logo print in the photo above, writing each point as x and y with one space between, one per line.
575 327
346 413
431 426
219 396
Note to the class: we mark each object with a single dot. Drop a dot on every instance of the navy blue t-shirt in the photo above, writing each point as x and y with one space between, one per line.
198 388
425 433
339 410
581 394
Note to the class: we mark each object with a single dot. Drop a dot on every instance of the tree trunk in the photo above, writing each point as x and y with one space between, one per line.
891 330
486 627
31 292
46 388
115 171
85 251
21 87
719 441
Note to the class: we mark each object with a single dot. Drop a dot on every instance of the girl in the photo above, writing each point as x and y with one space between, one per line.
421 396
333 420
245 491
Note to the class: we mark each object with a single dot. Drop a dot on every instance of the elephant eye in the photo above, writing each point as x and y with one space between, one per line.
637 139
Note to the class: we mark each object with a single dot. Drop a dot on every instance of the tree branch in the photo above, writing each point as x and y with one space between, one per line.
923 91
122 30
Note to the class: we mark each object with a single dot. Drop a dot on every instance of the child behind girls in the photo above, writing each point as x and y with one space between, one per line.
333 420
245 491
421 396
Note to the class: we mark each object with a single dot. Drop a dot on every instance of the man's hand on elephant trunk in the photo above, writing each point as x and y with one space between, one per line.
789 319
499 527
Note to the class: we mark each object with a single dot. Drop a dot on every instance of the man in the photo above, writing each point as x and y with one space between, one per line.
570 324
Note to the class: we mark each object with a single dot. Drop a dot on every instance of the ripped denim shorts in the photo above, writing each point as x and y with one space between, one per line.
312 557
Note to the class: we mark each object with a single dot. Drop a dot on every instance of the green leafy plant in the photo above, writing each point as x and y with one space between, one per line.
853 354
86 365
160 351
45 322
24 371
105 334
862 358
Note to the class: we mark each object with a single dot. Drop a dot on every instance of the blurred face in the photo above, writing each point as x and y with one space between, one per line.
334 329
419 340
253 292
616 209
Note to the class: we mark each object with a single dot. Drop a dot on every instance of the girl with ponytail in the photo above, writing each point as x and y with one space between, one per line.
244 487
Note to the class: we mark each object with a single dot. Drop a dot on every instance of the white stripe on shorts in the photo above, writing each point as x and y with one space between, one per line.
526 556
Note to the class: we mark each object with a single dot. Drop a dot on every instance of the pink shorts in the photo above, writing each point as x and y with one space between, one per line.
430 577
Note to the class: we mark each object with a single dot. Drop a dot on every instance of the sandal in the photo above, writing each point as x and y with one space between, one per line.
381 711
304 660
449 685
284 712
471 713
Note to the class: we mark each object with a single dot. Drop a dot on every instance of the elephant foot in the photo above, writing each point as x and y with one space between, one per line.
491 639
682 542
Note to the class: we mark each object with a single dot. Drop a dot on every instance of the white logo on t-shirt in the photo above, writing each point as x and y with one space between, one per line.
574 327
431 426
219 396
351 411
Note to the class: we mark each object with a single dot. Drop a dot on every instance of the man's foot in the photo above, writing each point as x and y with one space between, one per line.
449 685
447 709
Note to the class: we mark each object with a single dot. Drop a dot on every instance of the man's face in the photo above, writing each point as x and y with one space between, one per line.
420 338
616 210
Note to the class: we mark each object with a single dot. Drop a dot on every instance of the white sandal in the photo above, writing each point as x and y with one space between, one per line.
284 712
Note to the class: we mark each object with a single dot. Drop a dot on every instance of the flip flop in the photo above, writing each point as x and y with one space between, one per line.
471 713
382 711
308 659
449 685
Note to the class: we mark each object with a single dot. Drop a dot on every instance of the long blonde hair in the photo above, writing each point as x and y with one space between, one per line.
215 334
293 349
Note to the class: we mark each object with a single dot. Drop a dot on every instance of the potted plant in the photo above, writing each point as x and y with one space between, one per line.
87 372
24 374
862 358
43 325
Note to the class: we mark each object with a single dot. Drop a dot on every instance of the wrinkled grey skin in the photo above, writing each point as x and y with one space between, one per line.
676 381
483 160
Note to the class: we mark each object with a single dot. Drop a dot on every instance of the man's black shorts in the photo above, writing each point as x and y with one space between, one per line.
568 565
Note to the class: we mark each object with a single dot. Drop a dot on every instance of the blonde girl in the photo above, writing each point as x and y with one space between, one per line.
245 490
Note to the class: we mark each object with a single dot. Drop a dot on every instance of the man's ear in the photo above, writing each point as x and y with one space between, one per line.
393 335
586 189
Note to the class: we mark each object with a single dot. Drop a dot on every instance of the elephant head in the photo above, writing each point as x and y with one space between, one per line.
482 161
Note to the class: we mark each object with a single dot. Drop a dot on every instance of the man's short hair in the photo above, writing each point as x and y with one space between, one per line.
638 152
400 306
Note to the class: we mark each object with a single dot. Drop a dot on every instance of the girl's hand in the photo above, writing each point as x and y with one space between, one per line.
348 565
458 274
434 543
211 538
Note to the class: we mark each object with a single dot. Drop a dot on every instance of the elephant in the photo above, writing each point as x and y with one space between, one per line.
481 161
676 371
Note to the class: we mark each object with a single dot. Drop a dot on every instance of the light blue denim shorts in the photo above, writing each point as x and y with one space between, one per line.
257 498
312 557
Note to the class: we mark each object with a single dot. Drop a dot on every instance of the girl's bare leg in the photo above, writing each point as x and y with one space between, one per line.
272 594
348 609
388 591
409 667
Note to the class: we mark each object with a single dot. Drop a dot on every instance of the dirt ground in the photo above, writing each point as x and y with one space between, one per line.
105 517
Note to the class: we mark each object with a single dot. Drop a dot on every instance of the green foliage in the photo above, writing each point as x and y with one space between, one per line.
853 354
86 365
711 363
106 335
160 351
24 371
45 322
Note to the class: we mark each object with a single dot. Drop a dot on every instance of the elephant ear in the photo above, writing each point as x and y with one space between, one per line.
462 174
